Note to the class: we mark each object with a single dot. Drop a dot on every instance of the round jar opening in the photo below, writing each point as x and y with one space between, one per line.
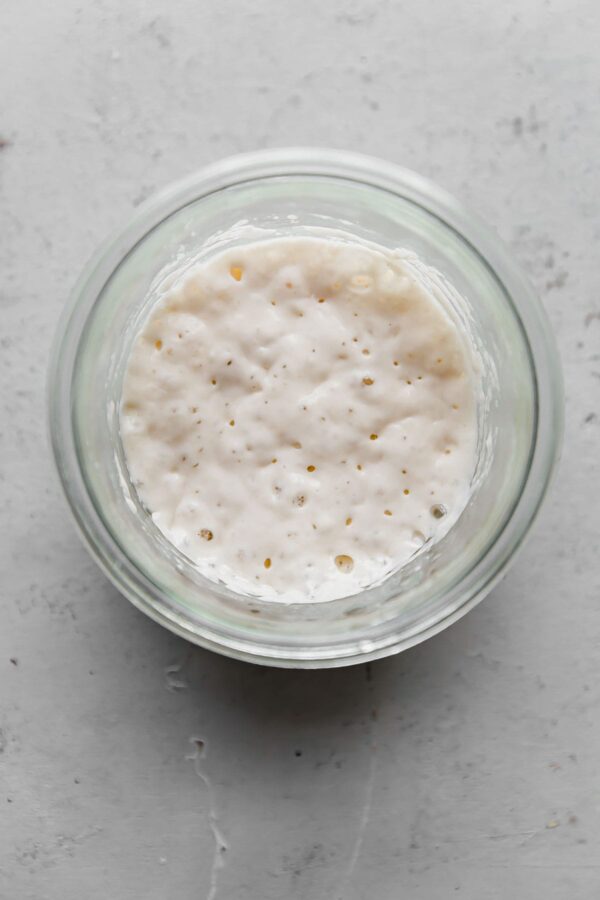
300 194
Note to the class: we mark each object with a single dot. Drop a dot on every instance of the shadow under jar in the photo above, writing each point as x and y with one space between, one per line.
293 192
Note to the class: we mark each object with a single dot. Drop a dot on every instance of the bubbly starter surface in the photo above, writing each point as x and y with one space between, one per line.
299 417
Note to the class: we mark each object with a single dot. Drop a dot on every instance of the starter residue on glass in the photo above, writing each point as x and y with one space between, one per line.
299 416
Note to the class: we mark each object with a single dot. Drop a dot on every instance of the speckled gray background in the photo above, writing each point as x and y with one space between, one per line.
467 767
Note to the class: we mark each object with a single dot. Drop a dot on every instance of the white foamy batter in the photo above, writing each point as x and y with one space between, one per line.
299 416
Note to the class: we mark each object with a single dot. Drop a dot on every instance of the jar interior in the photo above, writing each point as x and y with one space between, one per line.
416 594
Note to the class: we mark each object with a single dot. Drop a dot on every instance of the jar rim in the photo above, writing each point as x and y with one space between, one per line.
369 172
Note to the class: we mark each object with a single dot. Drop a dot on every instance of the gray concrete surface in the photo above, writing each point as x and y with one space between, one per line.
467 767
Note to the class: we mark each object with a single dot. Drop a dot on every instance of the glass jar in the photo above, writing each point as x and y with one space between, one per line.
520 420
